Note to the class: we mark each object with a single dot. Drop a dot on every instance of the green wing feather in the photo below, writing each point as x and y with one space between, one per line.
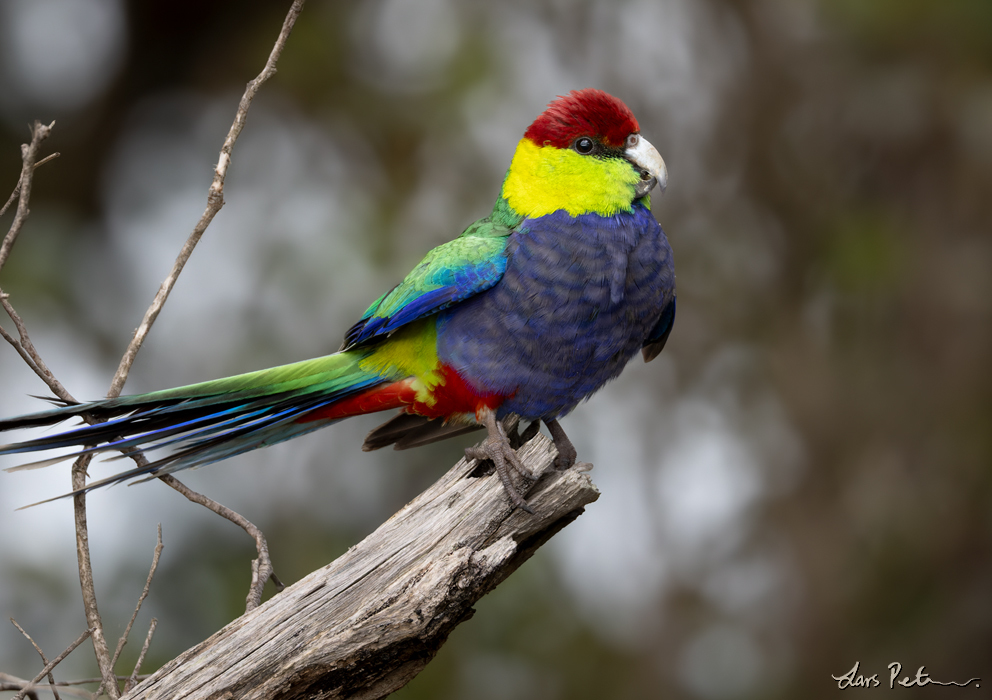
450 273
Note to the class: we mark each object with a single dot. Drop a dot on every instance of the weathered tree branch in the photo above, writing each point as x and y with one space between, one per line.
364 625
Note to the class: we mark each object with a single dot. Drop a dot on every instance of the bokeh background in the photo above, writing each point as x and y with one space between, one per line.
801 481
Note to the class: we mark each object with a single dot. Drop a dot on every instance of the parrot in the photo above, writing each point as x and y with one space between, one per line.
529 311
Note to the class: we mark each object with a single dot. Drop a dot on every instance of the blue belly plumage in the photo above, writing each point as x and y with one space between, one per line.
579 298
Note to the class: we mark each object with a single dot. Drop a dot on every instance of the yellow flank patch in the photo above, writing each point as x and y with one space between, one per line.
542 180
410 352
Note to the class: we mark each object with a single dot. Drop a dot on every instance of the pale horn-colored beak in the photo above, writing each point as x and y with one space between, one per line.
645 157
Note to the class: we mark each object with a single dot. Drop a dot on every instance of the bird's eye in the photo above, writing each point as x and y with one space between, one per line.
584 145
632 140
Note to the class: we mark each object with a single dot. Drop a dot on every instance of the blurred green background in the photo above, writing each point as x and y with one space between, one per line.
801 481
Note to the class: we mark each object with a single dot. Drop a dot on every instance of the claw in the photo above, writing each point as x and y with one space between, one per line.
496 447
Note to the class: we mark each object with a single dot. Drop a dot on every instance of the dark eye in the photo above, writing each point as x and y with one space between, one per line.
632 140
584 145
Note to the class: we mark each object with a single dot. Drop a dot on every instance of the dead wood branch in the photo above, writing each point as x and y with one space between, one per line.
51 665
364 625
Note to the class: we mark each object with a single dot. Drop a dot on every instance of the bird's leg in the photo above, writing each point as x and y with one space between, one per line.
530 432
518 439
496 447
566 450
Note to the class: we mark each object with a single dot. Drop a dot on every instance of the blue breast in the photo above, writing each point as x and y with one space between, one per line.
578 299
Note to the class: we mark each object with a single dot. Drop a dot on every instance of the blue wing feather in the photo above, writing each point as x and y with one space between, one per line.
449 274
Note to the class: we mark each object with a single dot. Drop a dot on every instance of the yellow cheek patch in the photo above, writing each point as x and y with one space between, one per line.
542 180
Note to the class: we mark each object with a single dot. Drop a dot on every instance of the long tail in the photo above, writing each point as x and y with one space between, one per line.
214 420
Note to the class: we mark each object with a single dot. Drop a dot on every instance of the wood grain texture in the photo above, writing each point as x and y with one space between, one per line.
367 623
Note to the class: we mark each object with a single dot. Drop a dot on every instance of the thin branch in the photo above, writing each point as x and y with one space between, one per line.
8 678
133 680
25 348
17 188
52 664
215 200
29 153
11 682
141 598
20 350
85 681
86 584
44 660
261 568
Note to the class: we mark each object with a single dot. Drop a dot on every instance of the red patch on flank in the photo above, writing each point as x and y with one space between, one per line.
588 112
378 398
453 395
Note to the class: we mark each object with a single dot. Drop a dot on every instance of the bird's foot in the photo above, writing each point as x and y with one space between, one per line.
496 448
566 450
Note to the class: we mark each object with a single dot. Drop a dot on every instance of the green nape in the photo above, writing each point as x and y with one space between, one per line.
505 215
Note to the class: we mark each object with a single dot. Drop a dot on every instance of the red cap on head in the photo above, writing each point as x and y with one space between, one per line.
588 112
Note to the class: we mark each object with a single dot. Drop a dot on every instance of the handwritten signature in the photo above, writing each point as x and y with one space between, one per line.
854 679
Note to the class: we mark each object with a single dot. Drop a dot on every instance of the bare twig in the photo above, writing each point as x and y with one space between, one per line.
17 188
44 660
21 682
86 585
11 682
215 200
25 348
52 664
133 680
141 598
261 568
85 681
29 153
